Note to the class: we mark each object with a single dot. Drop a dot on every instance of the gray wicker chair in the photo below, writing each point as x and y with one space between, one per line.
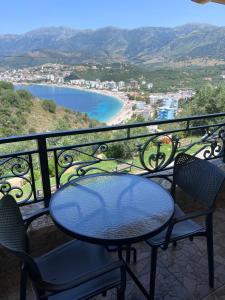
75 270
202 181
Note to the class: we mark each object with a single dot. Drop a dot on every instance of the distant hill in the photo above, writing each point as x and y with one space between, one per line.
107 45
21 113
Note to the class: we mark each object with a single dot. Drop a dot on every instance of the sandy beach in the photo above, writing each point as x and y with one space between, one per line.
122 115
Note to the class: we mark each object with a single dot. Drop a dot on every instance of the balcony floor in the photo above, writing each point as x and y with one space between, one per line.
182 272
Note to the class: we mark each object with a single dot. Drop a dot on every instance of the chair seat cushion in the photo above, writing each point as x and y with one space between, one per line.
72 260
180 230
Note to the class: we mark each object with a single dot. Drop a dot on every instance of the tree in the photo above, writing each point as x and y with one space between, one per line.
207 100
24 94
6 85
119 150
49 105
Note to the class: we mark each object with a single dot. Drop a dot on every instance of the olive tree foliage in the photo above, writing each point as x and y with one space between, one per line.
14 105
6 85
119 150
49 105
208 100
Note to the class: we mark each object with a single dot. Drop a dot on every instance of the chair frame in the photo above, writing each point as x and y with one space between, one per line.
28 268
207 232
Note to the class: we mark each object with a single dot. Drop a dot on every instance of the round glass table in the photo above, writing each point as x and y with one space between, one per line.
112 209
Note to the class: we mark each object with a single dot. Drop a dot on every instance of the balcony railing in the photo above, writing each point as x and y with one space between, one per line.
34 166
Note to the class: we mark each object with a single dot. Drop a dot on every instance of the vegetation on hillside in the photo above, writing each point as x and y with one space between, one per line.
21 113
14 108
164 79
207 100
49 105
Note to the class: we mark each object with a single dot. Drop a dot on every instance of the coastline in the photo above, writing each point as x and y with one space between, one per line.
120 117
123 114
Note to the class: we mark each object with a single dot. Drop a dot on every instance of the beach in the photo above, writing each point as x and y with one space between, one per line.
124 114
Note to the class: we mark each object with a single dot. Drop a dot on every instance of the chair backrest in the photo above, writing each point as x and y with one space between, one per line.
13 233
12 229
198 178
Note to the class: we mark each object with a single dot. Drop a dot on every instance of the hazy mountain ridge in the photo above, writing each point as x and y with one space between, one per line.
111 44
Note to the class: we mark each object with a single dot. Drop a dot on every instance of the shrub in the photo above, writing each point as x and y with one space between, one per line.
119 150
6 85
24 94
32 130
49 105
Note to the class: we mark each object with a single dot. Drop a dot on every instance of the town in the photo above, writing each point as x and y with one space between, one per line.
137 95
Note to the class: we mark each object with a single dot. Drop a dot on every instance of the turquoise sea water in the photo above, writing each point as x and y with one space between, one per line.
96 106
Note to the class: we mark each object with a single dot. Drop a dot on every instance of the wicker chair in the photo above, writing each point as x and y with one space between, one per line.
75 270
202 181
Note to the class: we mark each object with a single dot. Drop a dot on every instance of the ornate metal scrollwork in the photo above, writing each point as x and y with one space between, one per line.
65 160
160 150
153 155
216 145
15 174
69 158
100 148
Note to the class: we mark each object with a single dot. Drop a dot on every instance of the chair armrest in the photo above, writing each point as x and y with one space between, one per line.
188 216
56 288
192 215
34 216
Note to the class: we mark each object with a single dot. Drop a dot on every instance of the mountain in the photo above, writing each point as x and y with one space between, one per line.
109 44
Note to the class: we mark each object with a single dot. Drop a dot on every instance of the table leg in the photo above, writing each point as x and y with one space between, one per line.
120 254
132 275
128 248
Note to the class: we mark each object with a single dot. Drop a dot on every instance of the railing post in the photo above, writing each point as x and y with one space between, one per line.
43 158
223 141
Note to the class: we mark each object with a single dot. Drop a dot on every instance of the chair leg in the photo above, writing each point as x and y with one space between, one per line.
153 272
23 283
209 237
122 288
120 293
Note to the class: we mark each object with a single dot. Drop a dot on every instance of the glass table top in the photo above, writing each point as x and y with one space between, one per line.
111 208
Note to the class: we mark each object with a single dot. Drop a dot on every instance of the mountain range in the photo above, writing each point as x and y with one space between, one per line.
107 45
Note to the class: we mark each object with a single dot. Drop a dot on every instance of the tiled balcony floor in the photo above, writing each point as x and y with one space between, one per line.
182 271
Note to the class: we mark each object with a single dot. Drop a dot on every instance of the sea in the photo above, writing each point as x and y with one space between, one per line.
96 106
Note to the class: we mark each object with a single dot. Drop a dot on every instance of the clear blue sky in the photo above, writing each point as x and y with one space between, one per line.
19 16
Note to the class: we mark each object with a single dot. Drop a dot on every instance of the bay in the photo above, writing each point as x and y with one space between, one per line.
95 105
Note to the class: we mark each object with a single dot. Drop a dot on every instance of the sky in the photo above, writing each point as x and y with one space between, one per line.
20 16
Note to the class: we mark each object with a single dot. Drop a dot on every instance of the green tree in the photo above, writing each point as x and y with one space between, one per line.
207 100
6 85
24 94
119 150
49 105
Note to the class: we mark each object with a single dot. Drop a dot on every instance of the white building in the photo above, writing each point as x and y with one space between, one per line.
149 86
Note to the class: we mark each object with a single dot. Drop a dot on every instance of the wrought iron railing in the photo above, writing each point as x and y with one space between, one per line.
33 166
